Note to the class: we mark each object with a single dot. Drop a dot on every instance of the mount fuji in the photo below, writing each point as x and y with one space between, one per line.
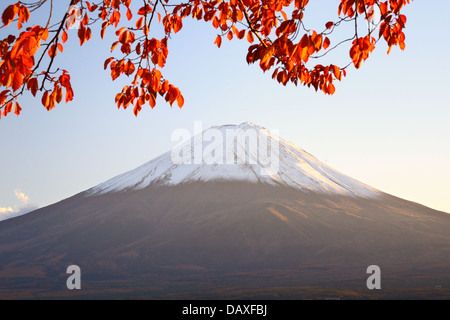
234 211
294 167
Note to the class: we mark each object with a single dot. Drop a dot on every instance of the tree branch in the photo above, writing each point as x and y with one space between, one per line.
55 39
253 30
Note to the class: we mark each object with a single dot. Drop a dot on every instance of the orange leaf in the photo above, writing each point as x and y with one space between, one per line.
18 109
8 108
218 41
102 32
114 45
43 34
45 99
337 72
152 100
69 94
85 20
118 32
331 89
165 86
59 94
180 100
3 96
88 34
91 8
139 23
64 37
129 14
250 36
177 25
17 81
33 86
144 10
82 35
326 43
9 14
137 108
216 22
107 61
115 18
27 61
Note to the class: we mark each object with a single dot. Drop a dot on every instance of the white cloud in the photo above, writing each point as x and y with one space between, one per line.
25 207
6 210
22 197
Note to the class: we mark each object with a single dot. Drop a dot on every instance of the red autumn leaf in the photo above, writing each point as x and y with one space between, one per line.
33 86
82 35
17 81
59 94
27 61
114 45
85 20
115 18
250 36
45 99
177 24
144 10
91 8
218 41
137 109
52 51
9 14
107 61
139 23
18 109
331 88
64 36
326 43
8 108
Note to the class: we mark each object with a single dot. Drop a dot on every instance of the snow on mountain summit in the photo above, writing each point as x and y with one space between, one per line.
245 152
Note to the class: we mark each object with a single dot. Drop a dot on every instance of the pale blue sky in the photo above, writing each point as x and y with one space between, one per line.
387 124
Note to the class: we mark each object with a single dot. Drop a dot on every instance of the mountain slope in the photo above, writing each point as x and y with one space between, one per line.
169 230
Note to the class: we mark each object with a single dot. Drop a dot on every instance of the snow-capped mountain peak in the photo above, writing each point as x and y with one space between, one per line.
244 152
